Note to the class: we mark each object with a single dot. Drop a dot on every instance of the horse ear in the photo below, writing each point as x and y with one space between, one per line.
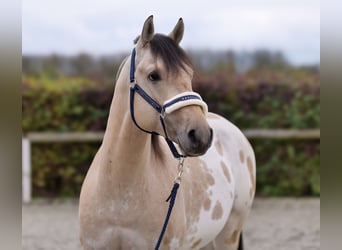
147 31
178 31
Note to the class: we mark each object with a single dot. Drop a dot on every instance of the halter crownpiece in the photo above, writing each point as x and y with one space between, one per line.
179 101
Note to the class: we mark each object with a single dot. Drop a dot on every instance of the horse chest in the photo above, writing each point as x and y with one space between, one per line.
122 224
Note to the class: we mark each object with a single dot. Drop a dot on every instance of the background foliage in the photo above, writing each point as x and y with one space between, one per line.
270 94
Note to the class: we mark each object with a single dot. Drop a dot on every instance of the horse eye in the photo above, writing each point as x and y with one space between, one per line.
153 76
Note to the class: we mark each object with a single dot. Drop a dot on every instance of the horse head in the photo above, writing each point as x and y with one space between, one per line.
164 74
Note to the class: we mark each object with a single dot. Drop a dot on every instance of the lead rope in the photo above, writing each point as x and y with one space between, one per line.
171 199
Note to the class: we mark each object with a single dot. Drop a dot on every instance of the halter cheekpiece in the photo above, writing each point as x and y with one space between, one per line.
179 101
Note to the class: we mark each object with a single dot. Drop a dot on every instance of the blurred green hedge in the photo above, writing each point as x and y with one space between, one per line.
284 168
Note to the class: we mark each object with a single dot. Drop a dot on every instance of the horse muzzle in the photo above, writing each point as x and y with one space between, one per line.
196 140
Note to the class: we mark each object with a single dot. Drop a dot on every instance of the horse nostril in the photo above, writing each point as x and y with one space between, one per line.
192 136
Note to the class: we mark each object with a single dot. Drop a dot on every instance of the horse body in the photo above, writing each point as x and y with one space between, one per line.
122 203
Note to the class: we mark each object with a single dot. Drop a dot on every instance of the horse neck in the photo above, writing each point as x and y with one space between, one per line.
127 150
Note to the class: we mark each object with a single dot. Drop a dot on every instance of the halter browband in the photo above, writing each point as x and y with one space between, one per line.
179 101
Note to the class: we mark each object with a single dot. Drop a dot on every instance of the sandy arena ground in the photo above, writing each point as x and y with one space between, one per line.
273 224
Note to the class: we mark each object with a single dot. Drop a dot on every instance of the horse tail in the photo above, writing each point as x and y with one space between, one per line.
240 247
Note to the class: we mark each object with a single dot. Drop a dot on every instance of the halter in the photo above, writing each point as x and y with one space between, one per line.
179 101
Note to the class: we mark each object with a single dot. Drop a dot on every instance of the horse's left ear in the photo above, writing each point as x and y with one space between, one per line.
178 31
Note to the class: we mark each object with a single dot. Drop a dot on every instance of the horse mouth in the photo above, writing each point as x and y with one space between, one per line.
185 153
192 153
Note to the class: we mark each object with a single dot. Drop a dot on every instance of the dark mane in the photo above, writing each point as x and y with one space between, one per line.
173 56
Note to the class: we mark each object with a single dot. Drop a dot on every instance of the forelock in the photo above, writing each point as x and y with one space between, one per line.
173 56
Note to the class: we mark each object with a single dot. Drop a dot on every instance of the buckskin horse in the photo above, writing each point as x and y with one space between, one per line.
122 201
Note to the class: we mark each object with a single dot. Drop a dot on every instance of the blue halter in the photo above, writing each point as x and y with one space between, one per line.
169 106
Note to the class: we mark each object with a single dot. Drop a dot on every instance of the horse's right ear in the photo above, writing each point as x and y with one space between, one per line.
147 31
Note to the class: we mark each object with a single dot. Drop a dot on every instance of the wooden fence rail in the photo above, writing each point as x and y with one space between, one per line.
307 134
45 137
57 137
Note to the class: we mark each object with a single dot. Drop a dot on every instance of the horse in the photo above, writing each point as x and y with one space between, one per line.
155 119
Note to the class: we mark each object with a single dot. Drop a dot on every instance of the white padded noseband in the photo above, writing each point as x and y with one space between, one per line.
184 99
